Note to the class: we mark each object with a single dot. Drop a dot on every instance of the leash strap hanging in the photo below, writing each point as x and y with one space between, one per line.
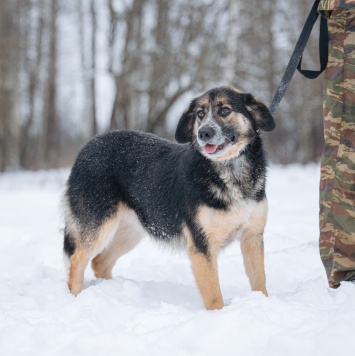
296 57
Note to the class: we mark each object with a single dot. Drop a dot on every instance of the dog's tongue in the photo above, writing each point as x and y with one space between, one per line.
210 148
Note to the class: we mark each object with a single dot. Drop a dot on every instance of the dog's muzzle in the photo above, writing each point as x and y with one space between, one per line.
211 140
206 133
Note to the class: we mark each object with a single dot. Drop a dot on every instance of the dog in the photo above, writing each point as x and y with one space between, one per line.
202 192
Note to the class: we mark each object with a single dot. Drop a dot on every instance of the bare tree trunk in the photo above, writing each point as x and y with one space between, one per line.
121 116
232 42
88 64
51 127
9 82
94 129
32 67
159 68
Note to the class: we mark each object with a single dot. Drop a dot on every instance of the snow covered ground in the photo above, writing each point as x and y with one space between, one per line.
152 306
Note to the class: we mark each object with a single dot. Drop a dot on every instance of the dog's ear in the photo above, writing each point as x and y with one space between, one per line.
183 133
259 113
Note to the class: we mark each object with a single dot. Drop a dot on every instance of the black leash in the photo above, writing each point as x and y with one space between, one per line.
296 57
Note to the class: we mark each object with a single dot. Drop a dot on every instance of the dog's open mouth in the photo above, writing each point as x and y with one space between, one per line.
210 149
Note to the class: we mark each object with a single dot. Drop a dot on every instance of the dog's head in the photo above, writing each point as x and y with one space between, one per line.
222 122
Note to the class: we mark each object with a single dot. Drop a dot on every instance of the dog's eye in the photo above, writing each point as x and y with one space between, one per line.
200 114
225 111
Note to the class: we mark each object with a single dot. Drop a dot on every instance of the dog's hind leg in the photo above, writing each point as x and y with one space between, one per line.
124 241
76 258
128 236
252 247
81 249
77 264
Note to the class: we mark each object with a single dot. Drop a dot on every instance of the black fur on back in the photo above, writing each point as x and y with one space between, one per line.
163 182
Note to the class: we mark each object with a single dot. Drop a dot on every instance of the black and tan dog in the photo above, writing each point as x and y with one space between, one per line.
202 193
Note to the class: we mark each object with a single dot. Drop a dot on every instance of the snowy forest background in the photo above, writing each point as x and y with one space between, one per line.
73 69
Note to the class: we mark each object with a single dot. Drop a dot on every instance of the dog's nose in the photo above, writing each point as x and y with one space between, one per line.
205 133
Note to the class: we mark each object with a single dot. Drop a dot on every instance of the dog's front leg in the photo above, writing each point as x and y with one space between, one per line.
204 267
252 247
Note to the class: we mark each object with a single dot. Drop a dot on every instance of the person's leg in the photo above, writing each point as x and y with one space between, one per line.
337 186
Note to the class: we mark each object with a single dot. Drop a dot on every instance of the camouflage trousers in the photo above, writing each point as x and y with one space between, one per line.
337 186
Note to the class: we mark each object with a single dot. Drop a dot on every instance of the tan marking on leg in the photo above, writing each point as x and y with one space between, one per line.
253 254
250 219
252 247
128 235
89 246
78 263
205 270
108 230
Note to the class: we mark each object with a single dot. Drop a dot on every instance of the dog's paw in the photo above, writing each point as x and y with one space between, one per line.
75 290
215 304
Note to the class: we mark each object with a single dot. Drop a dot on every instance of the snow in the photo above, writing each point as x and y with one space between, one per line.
152 306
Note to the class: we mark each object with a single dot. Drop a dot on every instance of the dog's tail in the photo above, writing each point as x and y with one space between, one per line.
68 249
